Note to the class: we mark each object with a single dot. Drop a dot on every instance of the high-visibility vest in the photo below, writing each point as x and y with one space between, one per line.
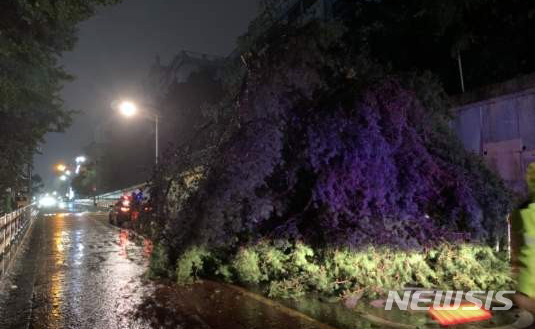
526 278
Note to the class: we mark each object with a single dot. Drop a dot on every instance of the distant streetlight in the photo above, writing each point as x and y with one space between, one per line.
63 178
61 167
129 109
80 159
68 172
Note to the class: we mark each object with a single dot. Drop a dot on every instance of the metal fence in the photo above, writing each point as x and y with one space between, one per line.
12 229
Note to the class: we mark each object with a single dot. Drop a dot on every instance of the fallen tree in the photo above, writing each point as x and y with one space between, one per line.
325 147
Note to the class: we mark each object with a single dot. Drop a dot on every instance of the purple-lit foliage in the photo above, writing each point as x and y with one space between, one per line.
375 179
330 150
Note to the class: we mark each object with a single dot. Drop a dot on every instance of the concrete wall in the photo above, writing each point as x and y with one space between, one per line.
498 122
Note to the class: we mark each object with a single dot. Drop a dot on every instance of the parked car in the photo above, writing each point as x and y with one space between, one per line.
128 209
121 212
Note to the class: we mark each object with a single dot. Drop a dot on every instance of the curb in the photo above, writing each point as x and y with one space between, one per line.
274 304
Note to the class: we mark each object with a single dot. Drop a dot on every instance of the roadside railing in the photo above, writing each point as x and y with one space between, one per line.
12 228
109 199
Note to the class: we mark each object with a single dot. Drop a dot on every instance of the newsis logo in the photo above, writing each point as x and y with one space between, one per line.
423 300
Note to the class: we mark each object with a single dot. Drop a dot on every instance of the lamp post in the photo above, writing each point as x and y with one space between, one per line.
130 109
79 160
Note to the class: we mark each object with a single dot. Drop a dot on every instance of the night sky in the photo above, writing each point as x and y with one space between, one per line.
116 48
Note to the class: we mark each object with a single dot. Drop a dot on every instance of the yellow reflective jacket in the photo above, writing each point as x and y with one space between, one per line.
526 279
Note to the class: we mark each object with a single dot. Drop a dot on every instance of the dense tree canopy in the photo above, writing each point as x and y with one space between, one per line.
37 184
491 37
33 35
331 148
184 103
85 184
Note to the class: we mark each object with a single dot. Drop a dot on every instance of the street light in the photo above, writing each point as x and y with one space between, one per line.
63 178
68 172
80 159
129 109
61 167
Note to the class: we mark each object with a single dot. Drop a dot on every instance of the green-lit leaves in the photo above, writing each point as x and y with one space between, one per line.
289 270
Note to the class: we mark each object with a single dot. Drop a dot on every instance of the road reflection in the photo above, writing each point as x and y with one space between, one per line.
91 273
123 243
128 238
83 273
56 287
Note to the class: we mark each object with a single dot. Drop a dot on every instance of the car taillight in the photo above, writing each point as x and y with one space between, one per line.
125 209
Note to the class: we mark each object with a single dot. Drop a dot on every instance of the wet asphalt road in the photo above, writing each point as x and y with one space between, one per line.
74 271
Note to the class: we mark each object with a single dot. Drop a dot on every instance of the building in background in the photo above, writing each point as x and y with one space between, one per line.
498 123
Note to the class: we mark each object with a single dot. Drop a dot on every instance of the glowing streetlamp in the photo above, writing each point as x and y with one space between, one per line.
63 178
68 172
129 109
79 160
61 167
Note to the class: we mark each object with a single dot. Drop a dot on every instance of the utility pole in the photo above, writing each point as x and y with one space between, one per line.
460 64
95 184
156 119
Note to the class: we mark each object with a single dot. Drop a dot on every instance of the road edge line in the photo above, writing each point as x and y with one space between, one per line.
273 303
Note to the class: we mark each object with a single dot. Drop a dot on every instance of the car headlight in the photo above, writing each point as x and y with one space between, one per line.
47 201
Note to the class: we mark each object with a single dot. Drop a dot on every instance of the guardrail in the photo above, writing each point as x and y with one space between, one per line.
115 195
108 199
100 203
12 229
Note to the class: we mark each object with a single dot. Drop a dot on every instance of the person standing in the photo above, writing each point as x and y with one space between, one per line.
525 296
